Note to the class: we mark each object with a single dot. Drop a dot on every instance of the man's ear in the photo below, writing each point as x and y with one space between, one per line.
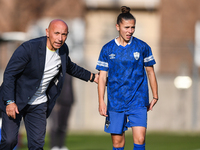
47 32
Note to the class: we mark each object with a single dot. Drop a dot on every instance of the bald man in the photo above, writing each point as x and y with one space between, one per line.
32 82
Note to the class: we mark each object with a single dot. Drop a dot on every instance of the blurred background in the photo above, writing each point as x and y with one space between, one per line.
171 28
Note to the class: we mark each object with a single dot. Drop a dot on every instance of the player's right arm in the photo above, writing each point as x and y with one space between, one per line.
101 93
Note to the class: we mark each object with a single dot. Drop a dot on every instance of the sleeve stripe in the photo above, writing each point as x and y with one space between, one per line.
148 59
103 64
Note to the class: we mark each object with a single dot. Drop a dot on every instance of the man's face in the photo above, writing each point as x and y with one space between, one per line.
126 29
56 34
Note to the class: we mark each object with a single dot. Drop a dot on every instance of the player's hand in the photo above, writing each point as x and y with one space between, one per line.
103 109
11 110
153 102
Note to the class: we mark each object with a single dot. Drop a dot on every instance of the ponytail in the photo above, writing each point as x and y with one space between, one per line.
125 14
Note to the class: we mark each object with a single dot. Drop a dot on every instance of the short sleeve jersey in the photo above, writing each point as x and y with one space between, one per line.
127 85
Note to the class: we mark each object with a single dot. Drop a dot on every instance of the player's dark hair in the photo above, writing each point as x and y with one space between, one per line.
125 15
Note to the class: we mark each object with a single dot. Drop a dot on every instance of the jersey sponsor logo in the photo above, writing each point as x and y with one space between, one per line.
148 59
136 55
112 56
101 63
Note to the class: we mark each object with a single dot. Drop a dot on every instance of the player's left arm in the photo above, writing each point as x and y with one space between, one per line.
153 84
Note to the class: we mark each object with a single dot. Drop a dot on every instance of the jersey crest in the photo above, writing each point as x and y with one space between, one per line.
136 55
107 123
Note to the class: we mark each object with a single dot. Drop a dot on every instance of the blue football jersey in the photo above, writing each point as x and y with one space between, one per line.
127 85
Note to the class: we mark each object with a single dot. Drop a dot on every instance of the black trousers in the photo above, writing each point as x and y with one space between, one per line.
35 123
58 129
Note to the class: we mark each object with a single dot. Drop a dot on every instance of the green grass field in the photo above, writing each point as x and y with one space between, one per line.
154 141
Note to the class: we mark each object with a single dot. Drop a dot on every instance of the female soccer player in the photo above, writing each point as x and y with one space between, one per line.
122 64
